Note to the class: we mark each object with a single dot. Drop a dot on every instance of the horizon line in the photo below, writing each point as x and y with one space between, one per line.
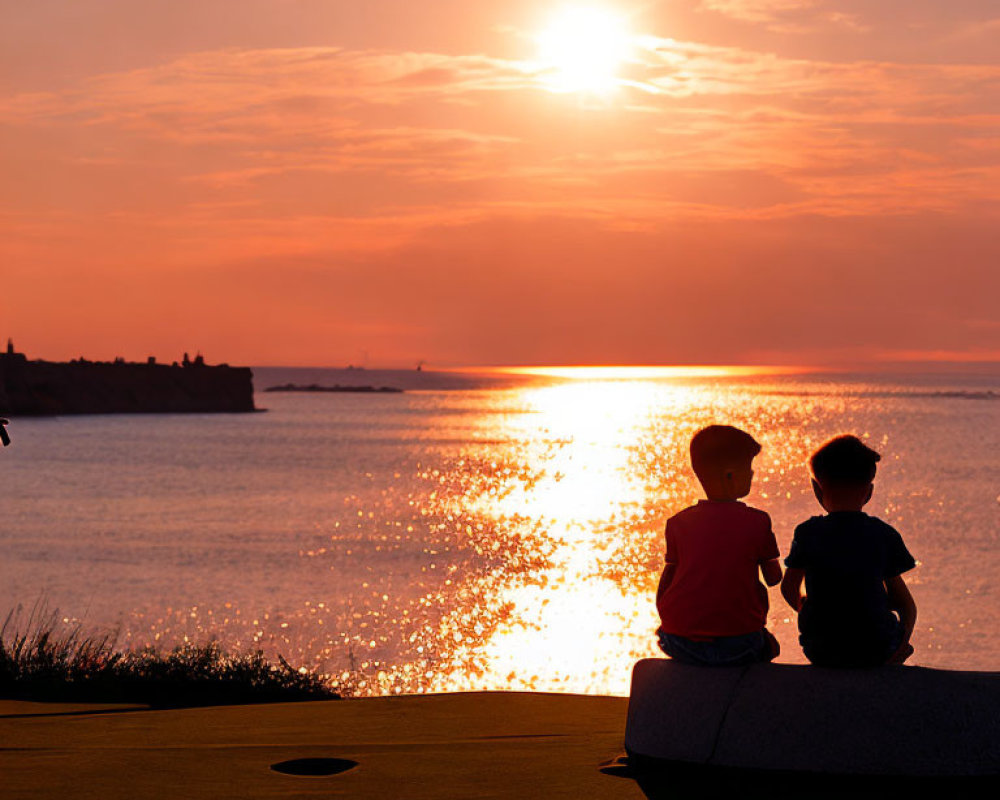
640 371
634 370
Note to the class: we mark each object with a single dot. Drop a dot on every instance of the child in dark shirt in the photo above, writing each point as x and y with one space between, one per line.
852 565
712 605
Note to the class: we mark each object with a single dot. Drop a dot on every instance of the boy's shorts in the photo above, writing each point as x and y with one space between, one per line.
722 651
859 652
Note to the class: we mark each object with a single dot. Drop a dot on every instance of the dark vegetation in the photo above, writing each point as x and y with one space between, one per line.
45 660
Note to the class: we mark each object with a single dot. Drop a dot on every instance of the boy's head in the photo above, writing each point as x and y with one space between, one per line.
843 470
721 456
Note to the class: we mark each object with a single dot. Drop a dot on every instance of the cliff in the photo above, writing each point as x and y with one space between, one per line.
119 387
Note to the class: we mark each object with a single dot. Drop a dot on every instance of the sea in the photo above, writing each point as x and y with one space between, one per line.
483 529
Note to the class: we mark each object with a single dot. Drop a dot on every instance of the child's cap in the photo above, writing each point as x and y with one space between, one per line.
844 461
720 445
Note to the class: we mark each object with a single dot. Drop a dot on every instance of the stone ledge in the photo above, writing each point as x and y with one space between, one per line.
888 721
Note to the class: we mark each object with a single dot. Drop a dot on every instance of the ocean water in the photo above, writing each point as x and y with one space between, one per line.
476 531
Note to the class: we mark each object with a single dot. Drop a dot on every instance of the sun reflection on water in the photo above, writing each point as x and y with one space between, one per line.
608 464
571 613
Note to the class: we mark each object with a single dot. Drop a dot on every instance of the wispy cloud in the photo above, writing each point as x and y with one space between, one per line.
787 16
841 138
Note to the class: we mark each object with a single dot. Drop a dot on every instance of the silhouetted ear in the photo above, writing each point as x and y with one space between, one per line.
818 491
868 496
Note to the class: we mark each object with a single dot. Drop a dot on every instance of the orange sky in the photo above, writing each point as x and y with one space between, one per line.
309 181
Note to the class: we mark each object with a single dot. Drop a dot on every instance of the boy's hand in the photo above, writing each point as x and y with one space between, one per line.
903 652
791 588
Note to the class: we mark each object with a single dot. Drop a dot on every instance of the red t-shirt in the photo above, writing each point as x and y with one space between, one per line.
715 591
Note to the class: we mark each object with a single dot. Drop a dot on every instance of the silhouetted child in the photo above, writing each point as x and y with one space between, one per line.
852 565
712 604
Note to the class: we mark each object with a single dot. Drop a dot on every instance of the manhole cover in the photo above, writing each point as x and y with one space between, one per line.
314 766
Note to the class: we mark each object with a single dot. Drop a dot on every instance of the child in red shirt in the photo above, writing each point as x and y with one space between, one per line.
712 604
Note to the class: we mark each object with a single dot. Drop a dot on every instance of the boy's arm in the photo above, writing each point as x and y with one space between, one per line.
665 579
771 571
791 587
901 601
670 557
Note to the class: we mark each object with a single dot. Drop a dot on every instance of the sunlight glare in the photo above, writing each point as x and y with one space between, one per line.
614 372
583 49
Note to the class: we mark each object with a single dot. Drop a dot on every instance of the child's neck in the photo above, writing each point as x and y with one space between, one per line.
843 498
837 507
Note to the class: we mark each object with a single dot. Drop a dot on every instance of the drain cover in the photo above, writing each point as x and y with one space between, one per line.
314 766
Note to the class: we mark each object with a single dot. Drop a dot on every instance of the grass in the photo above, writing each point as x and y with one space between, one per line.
42 659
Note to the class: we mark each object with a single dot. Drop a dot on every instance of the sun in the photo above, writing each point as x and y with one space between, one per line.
583 49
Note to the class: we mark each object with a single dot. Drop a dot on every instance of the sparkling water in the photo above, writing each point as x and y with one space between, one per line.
474 532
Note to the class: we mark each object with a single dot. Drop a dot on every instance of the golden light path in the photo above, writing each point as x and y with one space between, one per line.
611 447
576 615
579 624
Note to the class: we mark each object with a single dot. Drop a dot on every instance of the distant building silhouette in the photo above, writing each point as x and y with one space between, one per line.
120 387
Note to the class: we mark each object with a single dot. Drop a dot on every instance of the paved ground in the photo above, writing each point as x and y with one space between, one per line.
496 745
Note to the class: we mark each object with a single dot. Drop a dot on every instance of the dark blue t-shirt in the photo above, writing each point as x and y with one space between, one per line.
847 556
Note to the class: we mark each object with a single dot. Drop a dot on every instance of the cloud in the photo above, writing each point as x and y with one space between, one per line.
757 10
218 157
787 16
872 137
302 80
980 29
